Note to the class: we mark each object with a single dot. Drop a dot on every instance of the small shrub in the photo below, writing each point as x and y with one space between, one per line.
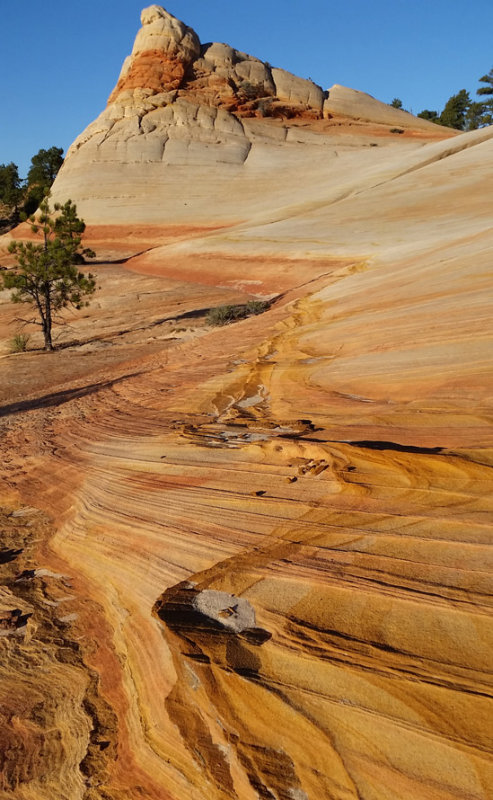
222 315
256 307
19 342
264 106
247 90
397 130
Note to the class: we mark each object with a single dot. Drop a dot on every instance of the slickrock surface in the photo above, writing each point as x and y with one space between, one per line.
361 106
188 122
255 561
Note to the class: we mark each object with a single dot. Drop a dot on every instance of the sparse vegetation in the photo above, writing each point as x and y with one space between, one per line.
397 130
223 315
463 113
455 112
256 96
45 276
22 196
264 106
45 166
250 91
10 188
431 116
19 342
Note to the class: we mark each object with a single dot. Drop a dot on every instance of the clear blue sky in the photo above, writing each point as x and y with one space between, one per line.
61 58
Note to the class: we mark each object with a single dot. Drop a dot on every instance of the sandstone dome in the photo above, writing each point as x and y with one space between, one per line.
207 126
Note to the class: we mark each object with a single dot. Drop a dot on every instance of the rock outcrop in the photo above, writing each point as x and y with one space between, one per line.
268 570
346 102
188 121
163 51
168 56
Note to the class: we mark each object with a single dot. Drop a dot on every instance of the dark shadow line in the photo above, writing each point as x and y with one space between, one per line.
111 261
400 448
194 314
58 398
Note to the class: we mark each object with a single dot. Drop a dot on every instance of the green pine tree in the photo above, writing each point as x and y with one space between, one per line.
45 276
454 113
10 186
486 91
488 80
432 116
477 116
42 172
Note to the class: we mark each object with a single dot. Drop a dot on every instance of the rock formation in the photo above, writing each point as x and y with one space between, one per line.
187 121
253 561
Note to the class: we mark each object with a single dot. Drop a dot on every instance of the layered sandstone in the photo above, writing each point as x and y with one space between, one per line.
188 121
268 571
346 102
167 56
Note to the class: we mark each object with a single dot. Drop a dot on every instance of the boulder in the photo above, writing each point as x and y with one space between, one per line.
298 91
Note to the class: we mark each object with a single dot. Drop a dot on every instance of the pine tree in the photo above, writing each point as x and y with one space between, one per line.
432 116
488 80
454 113
477 116
45 275
486 91
10 185
44 168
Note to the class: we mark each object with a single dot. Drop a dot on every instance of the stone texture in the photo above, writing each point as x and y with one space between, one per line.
181 109
275 535
167 55
163 50
298 91
224 76
350 103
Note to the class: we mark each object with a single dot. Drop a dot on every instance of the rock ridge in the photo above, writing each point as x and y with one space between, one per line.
167 56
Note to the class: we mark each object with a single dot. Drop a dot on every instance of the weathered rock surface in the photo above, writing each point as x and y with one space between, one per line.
269 572
194 612
167 56
188 121
163 51
346 102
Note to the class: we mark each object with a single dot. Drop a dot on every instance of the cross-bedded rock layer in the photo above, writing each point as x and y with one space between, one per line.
365 562
270 557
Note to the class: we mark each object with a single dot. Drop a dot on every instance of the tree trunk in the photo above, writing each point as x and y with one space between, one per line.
47 335
47 320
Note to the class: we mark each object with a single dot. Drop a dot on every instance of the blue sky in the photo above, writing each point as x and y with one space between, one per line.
60 59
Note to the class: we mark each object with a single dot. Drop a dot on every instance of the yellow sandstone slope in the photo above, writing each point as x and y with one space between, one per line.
267 571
